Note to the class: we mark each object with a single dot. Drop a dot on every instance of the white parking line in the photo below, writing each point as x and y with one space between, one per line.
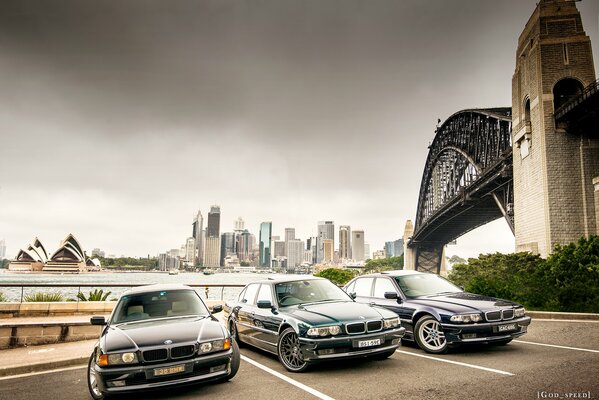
3 378
556 346
295 383
497 371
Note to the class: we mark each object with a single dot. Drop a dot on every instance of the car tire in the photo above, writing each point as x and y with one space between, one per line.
92 380
234 333
289 351
430 336
235 361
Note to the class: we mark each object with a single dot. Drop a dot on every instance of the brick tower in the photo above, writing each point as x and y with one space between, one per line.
554 166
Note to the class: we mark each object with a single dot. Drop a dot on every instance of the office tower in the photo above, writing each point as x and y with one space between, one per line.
312 245
239 226
198 227
328 250
244 245
326 230
394 248
2 249
367 252
357 245
344 242
227 246
289 235
190 248
265 239
212 247
278 247
295 253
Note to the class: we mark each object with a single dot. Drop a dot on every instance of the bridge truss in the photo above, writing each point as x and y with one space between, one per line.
467 182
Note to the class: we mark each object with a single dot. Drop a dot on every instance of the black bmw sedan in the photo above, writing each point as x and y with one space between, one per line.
307 320
436 313
157 336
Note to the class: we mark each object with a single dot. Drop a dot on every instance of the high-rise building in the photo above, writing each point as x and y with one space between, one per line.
357 245
190 249
295 253
2 249
328 250
197 229
312 245
212 239
227 246
244 245
326 230
239 225
394 248
278 247
265 239
367 255
345 242
289 235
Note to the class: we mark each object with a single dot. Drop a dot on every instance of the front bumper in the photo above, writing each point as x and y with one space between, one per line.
142 377
314 349
486 331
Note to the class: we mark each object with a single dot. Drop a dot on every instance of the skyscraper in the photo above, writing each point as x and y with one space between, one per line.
295 253
239 225
328 250
227 246
345 242
265 239
357 245
212 250
326 230
197 235
2 249
289 235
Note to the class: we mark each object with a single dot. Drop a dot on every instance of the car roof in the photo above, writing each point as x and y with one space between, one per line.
157 287
397 272
290 279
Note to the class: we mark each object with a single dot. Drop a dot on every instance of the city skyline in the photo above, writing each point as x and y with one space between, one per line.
276 111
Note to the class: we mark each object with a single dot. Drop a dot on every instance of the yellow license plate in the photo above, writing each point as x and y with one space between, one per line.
168 371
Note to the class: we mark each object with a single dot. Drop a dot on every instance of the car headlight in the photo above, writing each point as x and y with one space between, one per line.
519 312
391 322
466 318
215 345
324 331
117 359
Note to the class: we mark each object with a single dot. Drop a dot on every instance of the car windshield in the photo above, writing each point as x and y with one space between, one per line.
425 285
159 304
308 291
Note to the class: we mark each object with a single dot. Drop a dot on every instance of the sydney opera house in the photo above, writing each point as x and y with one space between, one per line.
69 257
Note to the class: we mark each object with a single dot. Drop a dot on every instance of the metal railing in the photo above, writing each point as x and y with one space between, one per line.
588 91
22 287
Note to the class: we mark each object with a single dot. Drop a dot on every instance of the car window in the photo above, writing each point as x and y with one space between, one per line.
160 304
250 293
241 295
363 286
350 287
382 285
265 293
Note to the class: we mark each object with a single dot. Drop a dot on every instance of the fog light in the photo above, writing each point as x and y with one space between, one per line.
218 368
396 341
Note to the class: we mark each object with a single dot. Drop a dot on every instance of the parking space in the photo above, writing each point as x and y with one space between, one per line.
518 370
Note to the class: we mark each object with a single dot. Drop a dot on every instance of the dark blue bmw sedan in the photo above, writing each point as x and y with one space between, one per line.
436 313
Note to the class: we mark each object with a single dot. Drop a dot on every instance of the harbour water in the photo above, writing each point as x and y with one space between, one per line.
129 278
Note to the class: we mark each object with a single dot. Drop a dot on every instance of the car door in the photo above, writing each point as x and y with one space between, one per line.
363 289
266 322
246 311
400 306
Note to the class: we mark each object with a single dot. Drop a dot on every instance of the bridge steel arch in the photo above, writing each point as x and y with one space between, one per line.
467 182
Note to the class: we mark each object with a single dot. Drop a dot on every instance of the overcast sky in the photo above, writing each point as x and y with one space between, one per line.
120 119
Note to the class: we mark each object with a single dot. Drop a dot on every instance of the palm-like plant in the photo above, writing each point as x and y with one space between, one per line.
43 297
94 295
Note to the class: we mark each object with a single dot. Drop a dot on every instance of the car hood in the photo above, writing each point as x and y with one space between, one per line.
337 312
132 336
463 302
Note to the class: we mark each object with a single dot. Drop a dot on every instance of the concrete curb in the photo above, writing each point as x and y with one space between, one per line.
43 366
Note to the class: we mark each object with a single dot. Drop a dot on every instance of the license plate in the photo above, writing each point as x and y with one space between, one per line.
369 343
509 327
168 371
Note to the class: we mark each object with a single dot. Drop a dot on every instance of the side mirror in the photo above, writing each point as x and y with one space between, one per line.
391 295
264 304
98 321
217 308
353 295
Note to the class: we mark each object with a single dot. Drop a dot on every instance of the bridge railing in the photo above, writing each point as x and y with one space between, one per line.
589 91
18 292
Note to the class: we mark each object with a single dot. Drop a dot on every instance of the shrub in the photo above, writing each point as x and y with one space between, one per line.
95 295
2 297
43 297
338 276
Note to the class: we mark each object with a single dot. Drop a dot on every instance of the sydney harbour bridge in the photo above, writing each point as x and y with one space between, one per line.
536 163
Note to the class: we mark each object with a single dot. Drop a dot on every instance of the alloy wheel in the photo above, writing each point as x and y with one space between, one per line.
290 352
430 336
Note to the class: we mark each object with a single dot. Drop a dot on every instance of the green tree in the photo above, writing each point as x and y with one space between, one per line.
384 264
338 276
